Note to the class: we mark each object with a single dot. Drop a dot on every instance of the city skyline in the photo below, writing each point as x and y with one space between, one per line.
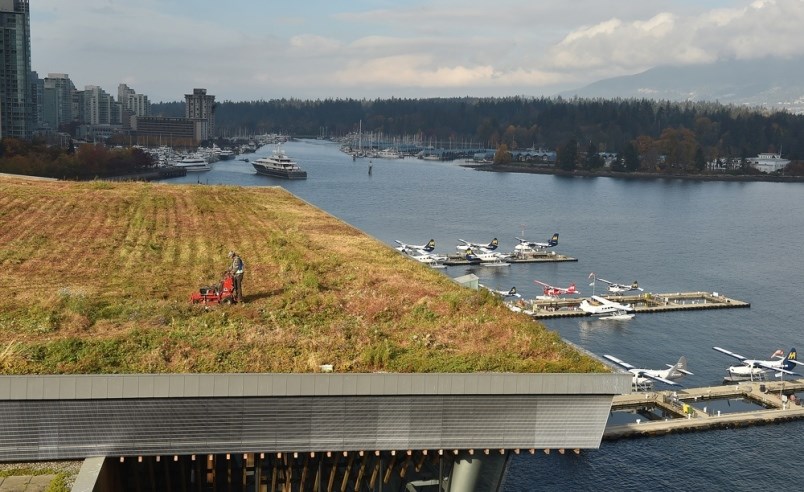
247 51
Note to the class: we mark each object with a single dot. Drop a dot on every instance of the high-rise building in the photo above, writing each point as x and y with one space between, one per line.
137 104
16 112
37 101
200 108
57 101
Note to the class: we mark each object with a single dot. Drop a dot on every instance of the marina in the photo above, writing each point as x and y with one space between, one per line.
643 303
691 409
682 251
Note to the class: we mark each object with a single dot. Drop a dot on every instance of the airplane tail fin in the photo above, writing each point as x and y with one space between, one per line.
791 356
680 368
553 240
512 292
493 244
430 246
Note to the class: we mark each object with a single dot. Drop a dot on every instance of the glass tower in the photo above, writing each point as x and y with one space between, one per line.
16 109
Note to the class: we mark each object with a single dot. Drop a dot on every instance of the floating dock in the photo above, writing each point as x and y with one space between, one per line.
644 303
687 416
546 257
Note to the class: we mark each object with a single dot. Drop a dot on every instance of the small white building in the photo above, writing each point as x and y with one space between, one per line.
768 162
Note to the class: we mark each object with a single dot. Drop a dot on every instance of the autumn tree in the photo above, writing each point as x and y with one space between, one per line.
678 146
502 156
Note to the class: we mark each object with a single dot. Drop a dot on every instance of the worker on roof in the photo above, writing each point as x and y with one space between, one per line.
236 269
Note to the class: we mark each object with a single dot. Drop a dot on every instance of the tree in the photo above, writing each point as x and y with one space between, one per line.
71 147
502 156
630 158
568 155
593 159
700 160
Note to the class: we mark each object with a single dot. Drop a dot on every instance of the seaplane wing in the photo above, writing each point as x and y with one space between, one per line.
619 362
651 375
731 354
612 304
771 367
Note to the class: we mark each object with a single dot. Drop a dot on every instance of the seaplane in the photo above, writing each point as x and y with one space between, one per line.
758 369
616 288
526 246
434 261
606 309
403 247
423 253
550 291
503 293
644 378
482 248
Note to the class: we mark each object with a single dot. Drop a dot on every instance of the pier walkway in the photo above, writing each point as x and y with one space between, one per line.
643 303
683 405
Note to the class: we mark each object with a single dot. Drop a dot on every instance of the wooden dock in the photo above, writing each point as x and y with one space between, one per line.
687 416
643 303
547 257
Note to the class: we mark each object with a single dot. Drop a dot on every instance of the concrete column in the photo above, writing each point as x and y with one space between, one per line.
477 473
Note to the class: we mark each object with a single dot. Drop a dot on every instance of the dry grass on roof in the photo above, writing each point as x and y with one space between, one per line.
98 275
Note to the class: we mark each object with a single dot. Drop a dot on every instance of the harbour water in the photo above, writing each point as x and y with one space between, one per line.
743 240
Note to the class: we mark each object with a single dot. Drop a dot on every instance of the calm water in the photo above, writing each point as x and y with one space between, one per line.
740 239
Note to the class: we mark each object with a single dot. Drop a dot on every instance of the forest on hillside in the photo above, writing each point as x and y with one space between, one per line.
710 130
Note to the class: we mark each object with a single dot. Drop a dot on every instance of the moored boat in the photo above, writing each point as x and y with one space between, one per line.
279 165
193 163
226 155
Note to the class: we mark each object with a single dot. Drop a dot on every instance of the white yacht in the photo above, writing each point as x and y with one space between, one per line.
194 163
226 155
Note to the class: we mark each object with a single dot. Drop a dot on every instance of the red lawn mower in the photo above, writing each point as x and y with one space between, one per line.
221 293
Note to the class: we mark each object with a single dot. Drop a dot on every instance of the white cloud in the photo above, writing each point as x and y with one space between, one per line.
252 50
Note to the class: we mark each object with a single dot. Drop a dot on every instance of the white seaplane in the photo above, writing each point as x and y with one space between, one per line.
644 378
503 293
403 247
477 247
526 246
606 309
485 252
752 369
423 253
614 287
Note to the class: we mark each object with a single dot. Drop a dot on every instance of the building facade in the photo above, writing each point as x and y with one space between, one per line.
16 112
200 108
57 100
136 104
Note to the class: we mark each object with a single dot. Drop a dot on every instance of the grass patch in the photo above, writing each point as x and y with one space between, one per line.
104 273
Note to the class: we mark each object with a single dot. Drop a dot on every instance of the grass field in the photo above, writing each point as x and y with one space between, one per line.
97 278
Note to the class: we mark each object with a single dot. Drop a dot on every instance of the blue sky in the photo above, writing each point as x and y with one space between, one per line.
246 50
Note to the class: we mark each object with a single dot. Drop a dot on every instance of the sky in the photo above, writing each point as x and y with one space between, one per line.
242 50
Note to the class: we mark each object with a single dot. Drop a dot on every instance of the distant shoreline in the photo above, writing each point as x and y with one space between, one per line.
637 175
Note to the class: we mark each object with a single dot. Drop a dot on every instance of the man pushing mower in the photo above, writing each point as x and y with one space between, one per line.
227 291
